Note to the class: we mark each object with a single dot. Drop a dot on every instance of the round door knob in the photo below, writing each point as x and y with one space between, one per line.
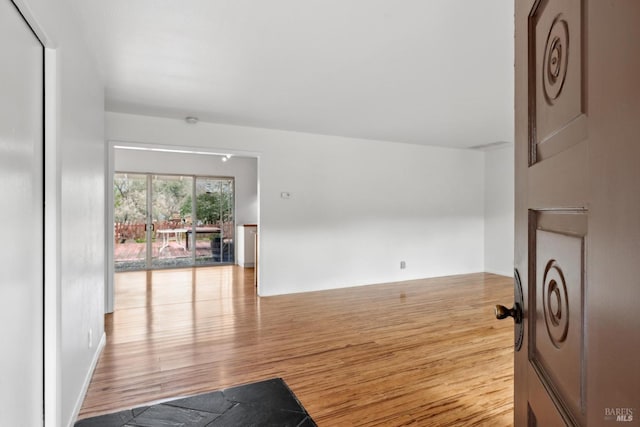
503 312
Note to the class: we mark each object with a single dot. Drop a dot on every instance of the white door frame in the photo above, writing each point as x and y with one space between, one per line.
110 147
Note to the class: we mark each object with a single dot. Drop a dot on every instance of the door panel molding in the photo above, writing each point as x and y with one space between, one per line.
542 406
557 305
556 67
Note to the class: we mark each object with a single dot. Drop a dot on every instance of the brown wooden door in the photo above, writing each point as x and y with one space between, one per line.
578 211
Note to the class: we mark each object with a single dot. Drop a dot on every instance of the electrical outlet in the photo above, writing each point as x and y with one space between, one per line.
90 338
403 265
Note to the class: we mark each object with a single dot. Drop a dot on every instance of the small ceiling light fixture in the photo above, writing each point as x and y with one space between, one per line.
226 157
191 120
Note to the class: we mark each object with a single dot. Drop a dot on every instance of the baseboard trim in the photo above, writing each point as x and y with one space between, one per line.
87 380
500 273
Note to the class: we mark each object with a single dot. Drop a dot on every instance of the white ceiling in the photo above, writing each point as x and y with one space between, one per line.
437 72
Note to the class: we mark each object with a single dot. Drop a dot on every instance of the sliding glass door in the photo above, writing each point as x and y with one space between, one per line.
130 221
214 232
171 209
172 221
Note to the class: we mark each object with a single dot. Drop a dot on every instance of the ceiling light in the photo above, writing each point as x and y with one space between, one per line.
191 120
171 150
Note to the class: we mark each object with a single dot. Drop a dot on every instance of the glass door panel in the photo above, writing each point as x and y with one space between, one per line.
171 212
158 223
227 220
213 233
130 217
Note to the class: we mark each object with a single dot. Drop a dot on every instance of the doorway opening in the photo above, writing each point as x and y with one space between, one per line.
164 221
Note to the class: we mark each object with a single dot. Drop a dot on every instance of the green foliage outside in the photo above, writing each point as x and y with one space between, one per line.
211 208
129 199
172 199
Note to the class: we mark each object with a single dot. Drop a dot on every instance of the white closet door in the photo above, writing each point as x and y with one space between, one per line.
21 221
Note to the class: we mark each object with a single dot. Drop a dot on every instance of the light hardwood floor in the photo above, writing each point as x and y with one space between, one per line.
423 353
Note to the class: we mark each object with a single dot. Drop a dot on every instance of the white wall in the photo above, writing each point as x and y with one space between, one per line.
22 190
74 213
243 169
82 174
499 210
357 208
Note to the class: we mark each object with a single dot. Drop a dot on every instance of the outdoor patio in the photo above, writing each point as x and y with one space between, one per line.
131 255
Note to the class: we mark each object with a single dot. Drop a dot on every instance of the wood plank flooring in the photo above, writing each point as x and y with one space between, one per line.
423 353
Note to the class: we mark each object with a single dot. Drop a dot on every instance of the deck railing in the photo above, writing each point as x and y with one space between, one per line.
124 231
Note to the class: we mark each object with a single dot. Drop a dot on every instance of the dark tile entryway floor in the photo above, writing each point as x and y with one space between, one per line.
265 403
